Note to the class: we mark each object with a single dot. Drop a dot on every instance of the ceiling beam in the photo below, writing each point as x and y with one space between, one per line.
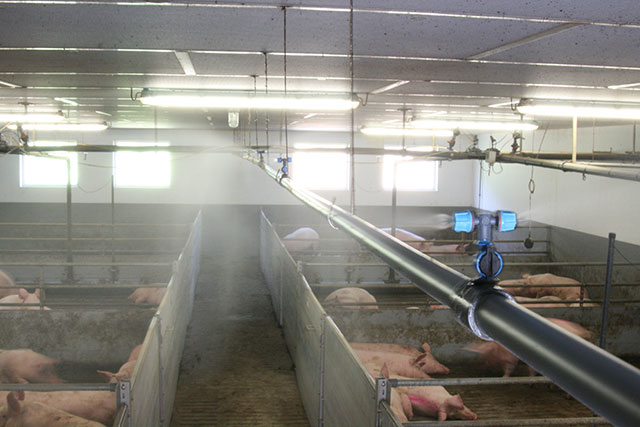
529 39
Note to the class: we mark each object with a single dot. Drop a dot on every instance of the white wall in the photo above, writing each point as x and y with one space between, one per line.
214 178
594 205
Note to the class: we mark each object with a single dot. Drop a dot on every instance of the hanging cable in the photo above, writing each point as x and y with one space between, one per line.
266 92
255 92
285 160
353 138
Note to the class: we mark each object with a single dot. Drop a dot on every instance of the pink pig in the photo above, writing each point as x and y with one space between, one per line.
124 373
352 296
303 239
411 239
26 366
35 414
150 295
424 361
5 280
23 297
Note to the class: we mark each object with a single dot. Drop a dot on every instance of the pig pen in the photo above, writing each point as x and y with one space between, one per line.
85 277
333 383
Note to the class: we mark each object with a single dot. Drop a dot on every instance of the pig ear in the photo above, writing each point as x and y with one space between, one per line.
106 375
22 293
525 275
37 292
384 371
13 404
426 347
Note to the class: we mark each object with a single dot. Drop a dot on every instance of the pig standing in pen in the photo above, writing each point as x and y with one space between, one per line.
126 370
303 239
20 413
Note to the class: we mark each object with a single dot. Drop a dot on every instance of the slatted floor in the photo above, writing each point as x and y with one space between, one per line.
235 370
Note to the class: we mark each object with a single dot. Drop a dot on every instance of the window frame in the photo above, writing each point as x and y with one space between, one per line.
25 159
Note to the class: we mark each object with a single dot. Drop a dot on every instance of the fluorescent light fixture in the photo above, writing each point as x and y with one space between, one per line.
103 113
31 117
572 110
474 125
308 116
502 104
11 85
67 101
407 132
389 87
421 148
316 145
624 86
81 127
248 101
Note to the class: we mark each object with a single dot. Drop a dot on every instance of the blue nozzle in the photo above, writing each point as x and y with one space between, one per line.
463 221
507 221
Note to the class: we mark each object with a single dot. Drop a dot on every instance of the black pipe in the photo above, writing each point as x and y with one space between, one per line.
606 384
607 290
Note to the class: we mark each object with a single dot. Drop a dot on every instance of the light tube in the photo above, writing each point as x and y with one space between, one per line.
31 117
239 102
474 125
67 101
568 110
407 132
81 127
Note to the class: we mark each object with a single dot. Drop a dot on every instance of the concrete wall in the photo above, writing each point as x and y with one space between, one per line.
592 205
215 178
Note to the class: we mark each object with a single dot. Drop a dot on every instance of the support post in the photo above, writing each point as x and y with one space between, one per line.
69 269
574 151
607 291
383 394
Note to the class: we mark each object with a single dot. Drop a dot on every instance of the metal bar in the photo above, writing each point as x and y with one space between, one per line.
574 139
69 268
606 384
607 290
59 387
92 286
113 270
64 239
511 422
466 264
468 381
94 224
84 264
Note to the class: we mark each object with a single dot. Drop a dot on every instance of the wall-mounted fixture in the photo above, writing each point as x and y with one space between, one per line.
246 100
567 109
233 119
474 124
31 117
77 127
406 132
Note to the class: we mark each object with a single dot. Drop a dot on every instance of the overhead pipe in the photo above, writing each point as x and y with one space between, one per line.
567 166
606 384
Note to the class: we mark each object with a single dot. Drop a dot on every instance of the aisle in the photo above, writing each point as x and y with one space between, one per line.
235 368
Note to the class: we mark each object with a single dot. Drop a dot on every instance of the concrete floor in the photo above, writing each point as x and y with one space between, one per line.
235 369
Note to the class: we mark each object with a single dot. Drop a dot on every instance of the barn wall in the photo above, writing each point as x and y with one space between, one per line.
594 205
216 178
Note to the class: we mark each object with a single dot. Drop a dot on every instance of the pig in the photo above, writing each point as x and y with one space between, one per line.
352 296
23 297
496 355
432 401
5 280
124 373
26 366
552 302
303 239
400 403
36 414
98 406
399 364
453 249
134 353
529 288
411 239
425 361
150 295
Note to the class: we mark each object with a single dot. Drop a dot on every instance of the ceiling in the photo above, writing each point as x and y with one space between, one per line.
459 57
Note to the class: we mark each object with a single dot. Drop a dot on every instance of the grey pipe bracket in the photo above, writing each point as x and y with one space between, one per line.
473 293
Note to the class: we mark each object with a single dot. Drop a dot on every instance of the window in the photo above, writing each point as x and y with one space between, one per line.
48 169
147 169
411 175
321 171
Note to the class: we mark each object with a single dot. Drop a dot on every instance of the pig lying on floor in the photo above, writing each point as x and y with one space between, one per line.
303 239
99 406
35 414
495 354
26 366
530 287
126 370
352 296
23 297
425 362
150 295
